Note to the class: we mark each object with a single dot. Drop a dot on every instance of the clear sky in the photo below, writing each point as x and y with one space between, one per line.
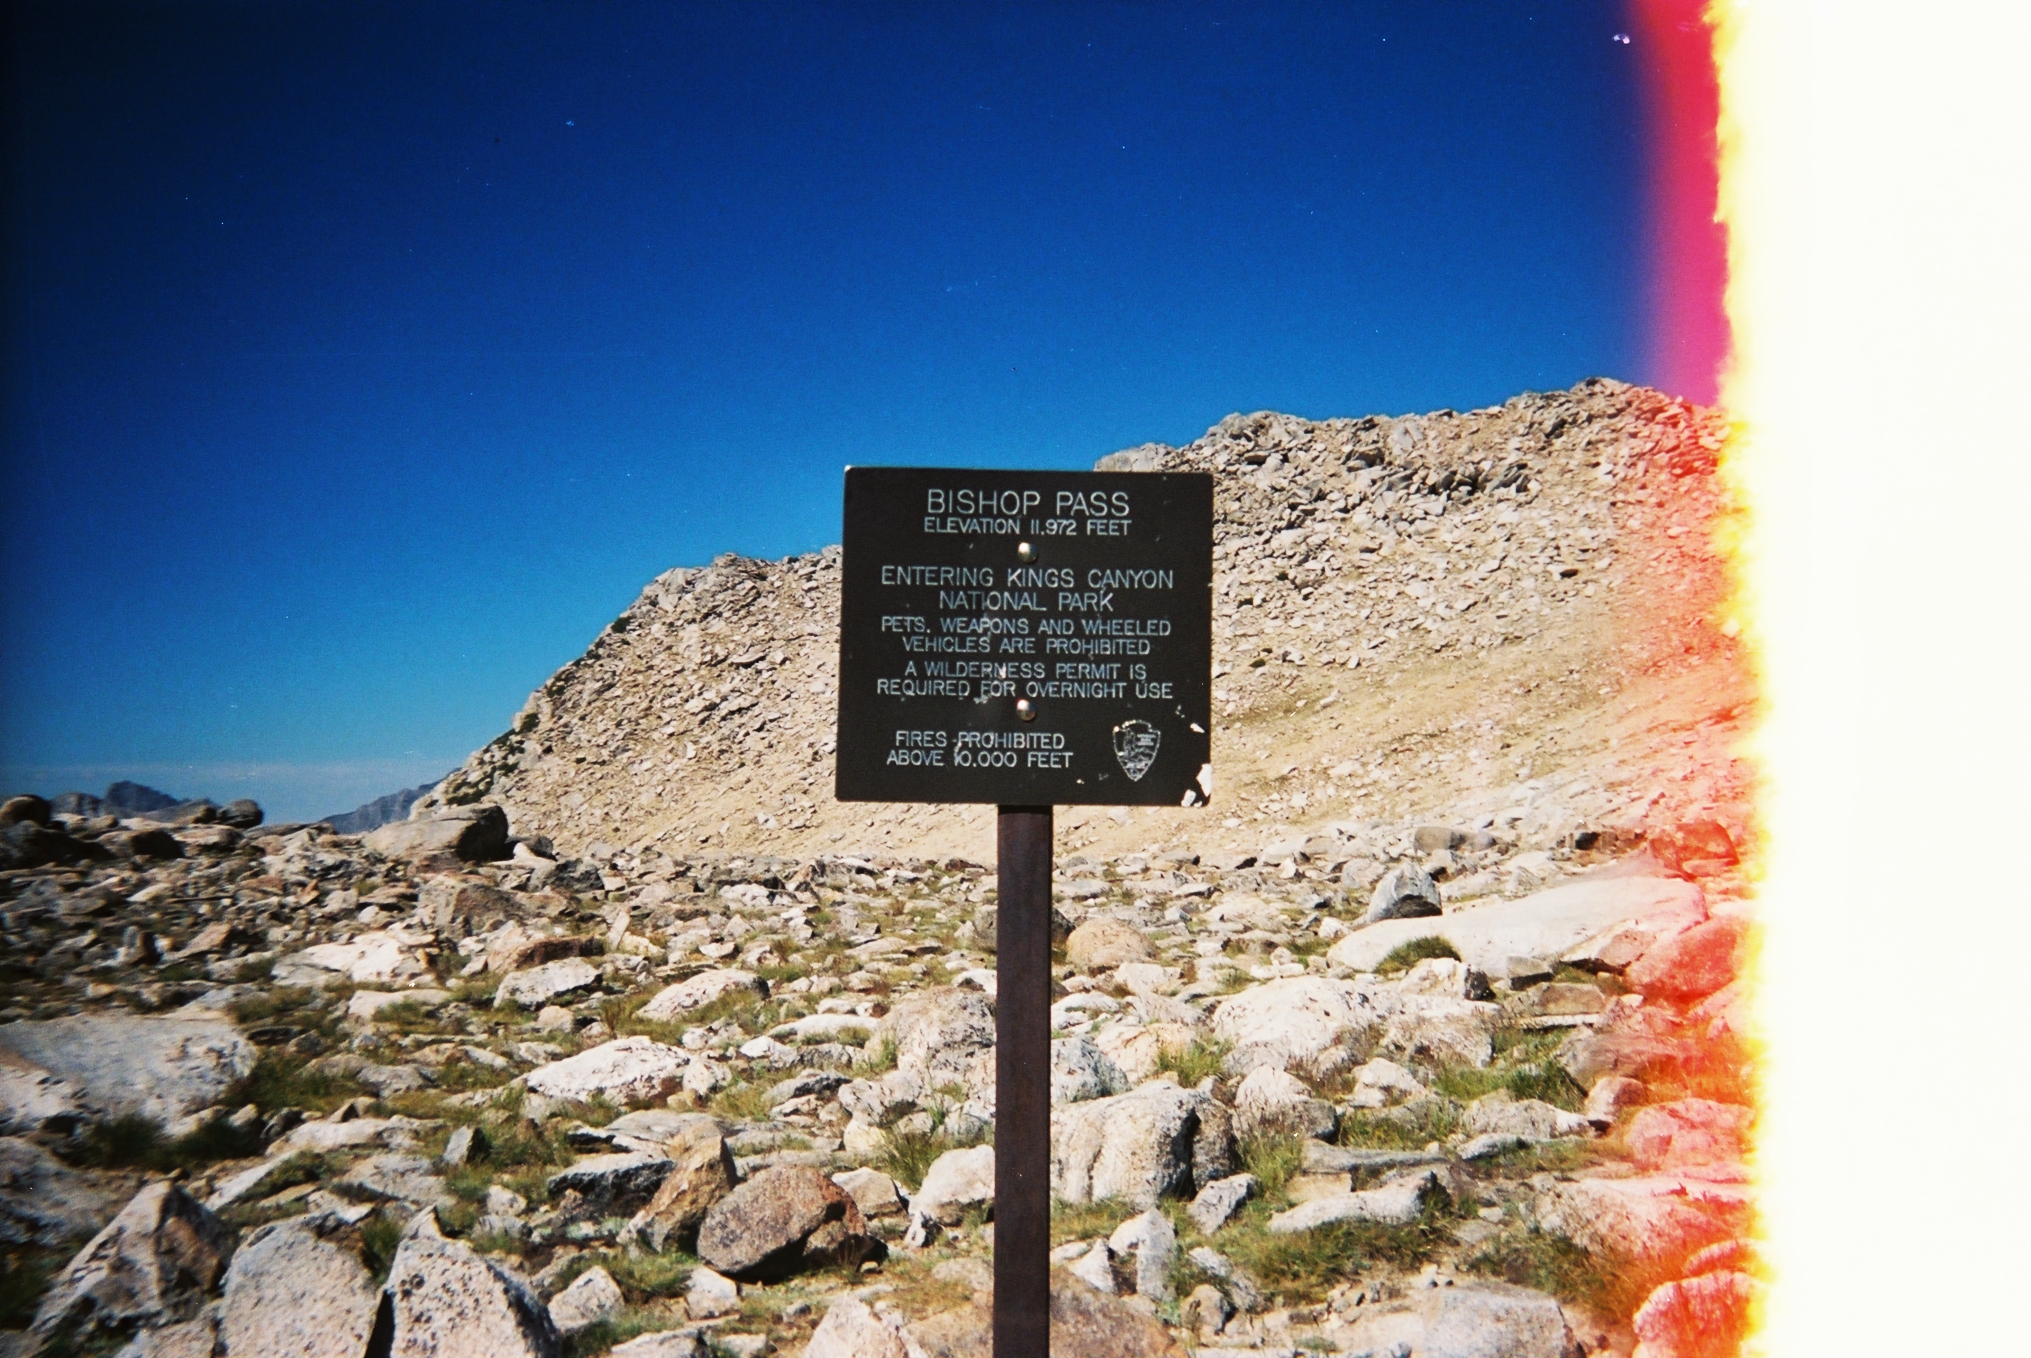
363 361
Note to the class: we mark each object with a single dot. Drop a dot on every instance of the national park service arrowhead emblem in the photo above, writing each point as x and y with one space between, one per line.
1135 746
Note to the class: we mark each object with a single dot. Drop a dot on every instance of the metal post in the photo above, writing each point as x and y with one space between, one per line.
1022 1084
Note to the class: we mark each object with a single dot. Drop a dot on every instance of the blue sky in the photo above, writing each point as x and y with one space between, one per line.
363 361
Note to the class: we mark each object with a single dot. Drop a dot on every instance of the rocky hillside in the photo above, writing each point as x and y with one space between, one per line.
1416 1091
1503 616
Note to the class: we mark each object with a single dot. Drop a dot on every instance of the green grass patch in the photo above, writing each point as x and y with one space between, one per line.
477 991
744 1102
1086 1220
1274 1160
1408 954
1304 1266
1523 1065
1407 1128
280 1080
882 1059
1553 1157
132 1141
907 1157
380 1236
1194 1063
1550 1263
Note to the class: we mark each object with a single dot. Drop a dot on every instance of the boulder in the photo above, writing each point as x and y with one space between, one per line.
298 1289
45 1202
1087 1323
700 990
1308 1023
1447 979
1465 1320
1608 1098
615 1185
663 1344
1138 1050
785 1219
1693 964
162 1068
25 844
851 1330
943 1036
1394 1204
625 1070
395 1177
537 986
445 1301
1703 1317
1501 1114
591 1298
27 808
514 950
708 1294
1273 1102
1543 924
1157 1140
1434 1033
1634 1043
1381 1083
1650 1221
1151 1239
242 813
152 1264
195 1338
1080 1070
882 1102
872 1191
701 1173
1689 1132
455 908
376 956
1220 1200
1406 892
1101 944
958 1182
476 834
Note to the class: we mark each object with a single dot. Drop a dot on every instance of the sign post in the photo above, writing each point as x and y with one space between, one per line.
1025 640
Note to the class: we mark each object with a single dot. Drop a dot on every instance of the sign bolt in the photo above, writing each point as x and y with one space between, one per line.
1026 552
1026 709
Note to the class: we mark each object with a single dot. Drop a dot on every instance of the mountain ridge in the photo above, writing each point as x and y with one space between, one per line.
1552 550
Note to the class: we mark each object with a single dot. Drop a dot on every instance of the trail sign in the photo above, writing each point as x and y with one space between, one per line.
1026 638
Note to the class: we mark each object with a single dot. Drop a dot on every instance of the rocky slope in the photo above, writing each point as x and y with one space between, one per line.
1501 613
1426 1041
732 1099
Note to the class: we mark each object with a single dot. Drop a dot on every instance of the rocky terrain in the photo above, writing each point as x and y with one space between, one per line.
1425 1040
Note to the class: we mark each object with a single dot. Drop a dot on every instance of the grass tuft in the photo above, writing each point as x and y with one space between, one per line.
1086 1220
1194 1063
743 1102
132 1141
283 1081
1304 1266
1550 1263
1274 1159
1408 954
